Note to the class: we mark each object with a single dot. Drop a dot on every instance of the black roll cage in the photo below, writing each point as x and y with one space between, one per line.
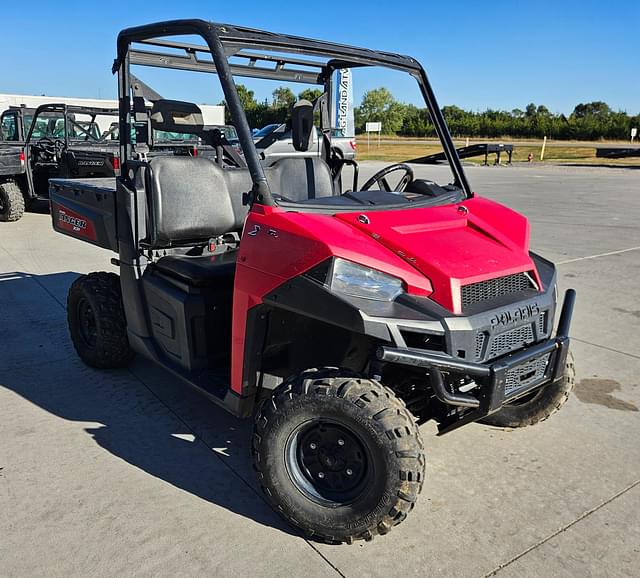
66 110
18 113
224 42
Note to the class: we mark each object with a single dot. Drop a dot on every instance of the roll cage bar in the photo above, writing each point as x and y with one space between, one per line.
225 42
67 109
18 112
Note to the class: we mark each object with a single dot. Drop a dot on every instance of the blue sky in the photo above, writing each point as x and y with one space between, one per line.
479 55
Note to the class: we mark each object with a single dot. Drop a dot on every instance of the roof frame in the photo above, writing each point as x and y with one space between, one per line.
189 60
235 45
225 41
76 108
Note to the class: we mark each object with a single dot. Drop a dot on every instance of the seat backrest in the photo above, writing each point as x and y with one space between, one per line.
194 199
189 201
300 178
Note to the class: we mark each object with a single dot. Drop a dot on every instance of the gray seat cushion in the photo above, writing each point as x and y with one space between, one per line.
190 201
193 199
200 270
294 178
300 178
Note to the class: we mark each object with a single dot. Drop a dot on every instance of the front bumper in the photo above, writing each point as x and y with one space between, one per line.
500 381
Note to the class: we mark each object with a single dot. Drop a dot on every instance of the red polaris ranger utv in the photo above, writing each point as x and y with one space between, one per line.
342 320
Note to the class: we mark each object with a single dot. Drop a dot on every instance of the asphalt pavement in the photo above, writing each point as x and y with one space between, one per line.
128 473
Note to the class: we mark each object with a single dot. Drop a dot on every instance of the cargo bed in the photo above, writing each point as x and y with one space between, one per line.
11 161
85 209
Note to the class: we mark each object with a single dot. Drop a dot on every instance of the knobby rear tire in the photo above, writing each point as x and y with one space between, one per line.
12 205
105 344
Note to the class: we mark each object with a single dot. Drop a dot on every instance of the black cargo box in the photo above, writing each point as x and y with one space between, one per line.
85 209
11 161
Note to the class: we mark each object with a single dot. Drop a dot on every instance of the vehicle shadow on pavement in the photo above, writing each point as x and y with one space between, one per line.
141 415
40 206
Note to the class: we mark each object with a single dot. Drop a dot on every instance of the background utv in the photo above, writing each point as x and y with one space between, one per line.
352 316
54 140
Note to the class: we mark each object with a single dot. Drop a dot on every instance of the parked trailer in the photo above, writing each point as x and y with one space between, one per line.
617 153
474 150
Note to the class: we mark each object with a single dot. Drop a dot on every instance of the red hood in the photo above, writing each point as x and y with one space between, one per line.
453 245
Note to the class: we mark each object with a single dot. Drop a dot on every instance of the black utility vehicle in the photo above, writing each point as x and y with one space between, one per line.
54 140
183 143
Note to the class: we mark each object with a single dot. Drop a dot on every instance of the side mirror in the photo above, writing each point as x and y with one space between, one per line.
176 116
302 125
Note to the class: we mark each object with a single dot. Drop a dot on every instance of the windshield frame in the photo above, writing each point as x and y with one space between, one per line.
224 42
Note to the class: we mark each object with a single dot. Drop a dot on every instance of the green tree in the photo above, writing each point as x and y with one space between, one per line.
379 105
416 122
283 97
310 94
531 110
247 100
247 97
591 120
596 108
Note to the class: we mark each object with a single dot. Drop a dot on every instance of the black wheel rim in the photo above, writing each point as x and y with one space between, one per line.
328 462
87 323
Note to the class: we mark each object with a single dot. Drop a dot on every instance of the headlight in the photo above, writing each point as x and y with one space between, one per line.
360 281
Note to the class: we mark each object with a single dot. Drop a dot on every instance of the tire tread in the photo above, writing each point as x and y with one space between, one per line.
102 290
382 406
14 201
540 408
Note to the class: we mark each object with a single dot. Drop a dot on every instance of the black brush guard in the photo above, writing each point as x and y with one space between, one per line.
492 376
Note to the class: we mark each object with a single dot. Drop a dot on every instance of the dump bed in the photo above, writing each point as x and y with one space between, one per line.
85 209
11 160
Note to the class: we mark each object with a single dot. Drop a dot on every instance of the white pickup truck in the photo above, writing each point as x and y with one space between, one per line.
274 141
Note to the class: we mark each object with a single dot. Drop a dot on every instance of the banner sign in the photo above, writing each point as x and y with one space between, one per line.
344 119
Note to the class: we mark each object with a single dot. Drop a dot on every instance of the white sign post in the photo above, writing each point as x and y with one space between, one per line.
634 133
373 127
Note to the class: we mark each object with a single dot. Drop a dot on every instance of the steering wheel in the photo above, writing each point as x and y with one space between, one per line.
380 177
50 145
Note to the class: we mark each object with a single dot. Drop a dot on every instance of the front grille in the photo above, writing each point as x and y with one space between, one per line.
542 325
495 288
480 339
526 374
510 340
